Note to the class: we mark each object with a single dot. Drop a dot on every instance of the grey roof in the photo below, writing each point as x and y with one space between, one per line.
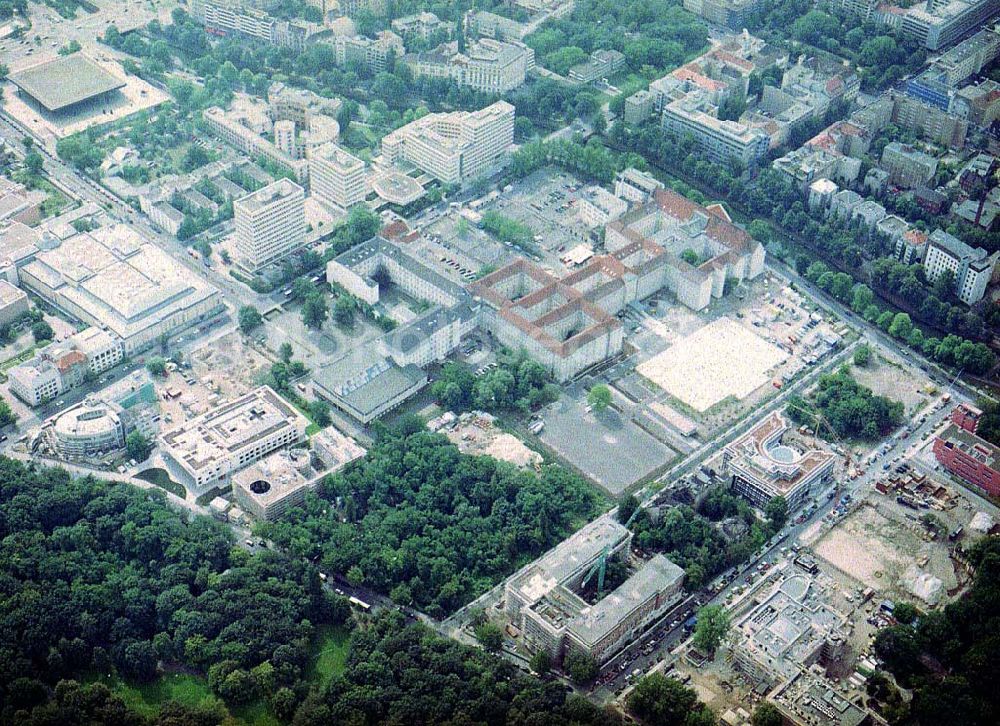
66 80
365 380
381 246
955 246
656 575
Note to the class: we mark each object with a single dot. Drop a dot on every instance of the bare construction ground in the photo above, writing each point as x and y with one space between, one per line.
900 383
721 360
480 436
876 544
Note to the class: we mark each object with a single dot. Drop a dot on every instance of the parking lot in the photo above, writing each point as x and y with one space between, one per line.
607 446
545 202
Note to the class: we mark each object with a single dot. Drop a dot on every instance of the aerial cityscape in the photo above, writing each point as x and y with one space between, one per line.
545 362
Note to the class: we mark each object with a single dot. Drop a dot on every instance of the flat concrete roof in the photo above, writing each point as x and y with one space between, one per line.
64 81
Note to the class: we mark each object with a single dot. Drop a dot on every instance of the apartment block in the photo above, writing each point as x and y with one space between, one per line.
971 268
732 14
907 167
633 185
337 177
422 25
602 63
491 25
939 24
455 147
270 223
639 107
62 366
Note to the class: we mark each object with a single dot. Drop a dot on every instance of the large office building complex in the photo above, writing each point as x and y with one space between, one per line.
114 279
270 223
569 324
455 147
376 377
336 177
486 65
209 448
971 268
966 455
762 467
544 599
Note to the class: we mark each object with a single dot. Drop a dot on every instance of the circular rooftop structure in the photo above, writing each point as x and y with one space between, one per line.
397 188
784 454
260 486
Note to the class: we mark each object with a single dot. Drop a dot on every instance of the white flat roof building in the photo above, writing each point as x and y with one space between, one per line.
336 177
972 268
115 279
270 223
231 436
455 147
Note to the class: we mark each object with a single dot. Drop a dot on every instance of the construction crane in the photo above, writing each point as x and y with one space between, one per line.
599 567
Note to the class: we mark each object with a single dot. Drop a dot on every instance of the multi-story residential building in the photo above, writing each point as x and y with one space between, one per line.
876 182
35 382
912 246
639 107
337 177
491 25
720 141
602 63
762 467
373 53
103 350
732 14
270 223
421 25
207 449
893 228
65 365
597 206
455 147
486 65
869 213
844 202
929 122
971 268
979 103
636 186
821 194
907 166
